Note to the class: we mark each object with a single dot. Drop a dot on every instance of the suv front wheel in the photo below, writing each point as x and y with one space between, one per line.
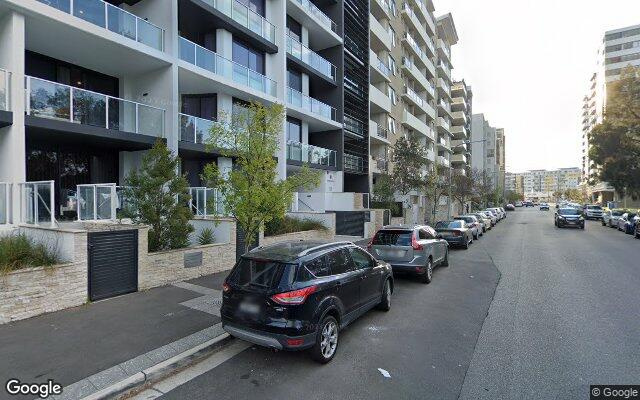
326 340
385 303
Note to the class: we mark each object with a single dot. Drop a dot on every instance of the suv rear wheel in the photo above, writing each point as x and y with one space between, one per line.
428 273
326 340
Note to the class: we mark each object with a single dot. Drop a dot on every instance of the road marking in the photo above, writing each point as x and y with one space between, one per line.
193 372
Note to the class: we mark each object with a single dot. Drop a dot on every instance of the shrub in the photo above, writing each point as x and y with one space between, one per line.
280 226
206 236
18 252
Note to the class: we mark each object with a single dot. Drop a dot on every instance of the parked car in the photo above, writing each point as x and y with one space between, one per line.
492 217
499 212
592 211
456 232
636 234
510 207
299 295
610 218
569 216
413 249
473 224
518 204
528 204
544 207
484 219
495 214
627 222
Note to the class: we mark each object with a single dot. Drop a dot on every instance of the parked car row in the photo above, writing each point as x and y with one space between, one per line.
627 221
299 295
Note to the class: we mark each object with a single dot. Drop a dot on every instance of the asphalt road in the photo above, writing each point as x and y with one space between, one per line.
565 314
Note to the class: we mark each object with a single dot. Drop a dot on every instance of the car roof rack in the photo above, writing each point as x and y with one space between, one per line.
322 246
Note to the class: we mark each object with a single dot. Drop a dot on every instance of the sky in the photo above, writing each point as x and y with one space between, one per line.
529 63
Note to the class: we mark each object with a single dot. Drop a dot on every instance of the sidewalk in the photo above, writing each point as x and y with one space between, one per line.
88 348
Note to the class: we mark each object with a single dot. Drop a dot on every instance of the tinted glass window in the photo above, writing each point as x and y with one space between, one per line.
257 6
339 262
393 238
248 57
594 208
295 80
468 220
263 273
426 234
294 130
360 258
450 224
568 211
616 213
318 267
294 29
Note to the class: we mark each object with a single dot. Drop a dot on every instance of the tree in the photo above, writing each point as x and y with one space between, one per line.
615 143
384 194
462 188
576 195
483 187
513 197
158 196
436 185
252 192
409 163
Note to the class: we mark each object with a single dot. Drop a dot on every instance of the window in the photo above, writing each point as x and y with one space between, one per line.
361 259
257 6
393 238
244 55
391 124
426 234
314 268
294 79
256 272
339 262
294 29
392 95
394 8
392 66
393 36
294 130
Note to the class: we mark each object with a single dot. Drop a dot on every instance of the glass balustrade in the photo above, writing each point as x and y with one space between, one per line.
311 58
414 45
414 96
310 104
307 153
36 202
113 18
5 199
57 101
213 62
4 89
194 129
245 17
381 65
318 15
205 202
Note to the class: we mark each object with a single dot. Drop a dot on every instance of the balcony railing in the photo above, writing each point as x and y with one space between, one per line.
307 153
37 201
414 45
206 202
245 17
5 79
414 96
194 129
115 19
382 132
97 202
66 103
353 163
378 63
318 15
354 126
311 58
444 123
5 200
213 62
310 104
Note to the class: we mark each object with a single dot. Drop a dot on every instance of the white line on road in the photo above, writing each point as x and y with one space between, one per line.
193 372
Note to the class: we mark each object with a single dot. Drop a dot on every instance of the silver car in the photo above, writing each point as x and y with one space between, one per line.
413 249
610 218
484 219
492 217
473 223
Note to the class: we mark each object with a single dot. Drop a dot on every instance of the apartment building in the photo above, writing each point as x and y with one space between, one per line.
619 48
410 88
90 85
542 184
500 158
514 182
483 148
461 127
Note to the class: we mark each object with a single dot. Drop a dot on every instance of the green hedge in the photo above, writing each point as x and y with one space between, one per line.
18 252
280 226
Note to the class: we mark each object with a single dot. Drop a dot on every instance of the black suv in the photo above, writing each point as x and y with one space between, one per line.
298 295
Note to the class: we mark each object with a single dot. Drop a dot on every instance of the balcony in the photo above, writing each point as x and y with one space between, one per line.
309 154
381 9
444 88
323 32
442 161
414 47
379 71
319 115
417 76
444 71
197 55
443 125
311 59
459 104
51 100
378 132
117 20
194 129
423 11
353 164
444 107
380 102
459 145
430 155
459 118
378 165
414 123
459 159
443 144
460 132
413 98
380 36
444 50
6 117
414 22
459 90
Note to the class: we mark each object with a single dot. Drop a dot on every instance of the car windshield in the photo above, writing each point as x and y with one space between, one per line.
616 213
260 273
594 208
393 238
465 219
449 225
568 211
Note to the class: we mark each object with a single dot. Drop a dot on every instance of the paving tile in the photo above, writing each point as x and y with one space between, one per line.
135 365
76 390
107 377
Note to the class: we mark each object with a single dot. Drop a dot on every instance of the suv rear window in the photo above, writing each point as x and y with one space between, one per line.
449 224
393 238
616 213
261 273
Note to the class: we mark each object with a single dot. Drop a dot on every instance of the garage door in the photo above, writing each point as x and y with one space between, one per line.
113 263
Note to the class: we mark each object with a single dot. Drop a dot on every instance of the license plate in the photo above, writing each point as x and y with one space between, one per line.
249 308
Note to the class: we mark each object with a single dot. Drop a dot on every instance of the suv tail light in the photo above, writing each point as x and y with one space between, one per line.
414 243
225 287
294 297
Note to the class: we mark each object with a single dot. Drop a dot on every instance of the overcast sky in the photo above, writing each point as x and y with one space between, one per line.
529 63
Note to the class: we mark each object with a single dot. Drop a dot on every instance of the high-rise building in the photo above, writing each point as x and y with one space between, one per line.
484 158
619 48
500 158
410 89
542 184
461 128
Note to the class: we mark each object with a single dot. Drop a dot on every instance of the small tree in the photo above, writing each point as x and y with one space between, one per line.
252 192
436 185
158 196
462 188
483 188
384 193
409 162
513 197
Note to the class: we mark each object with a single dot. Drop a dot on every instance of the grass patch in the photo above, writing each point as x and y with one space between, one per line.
280 226
19 252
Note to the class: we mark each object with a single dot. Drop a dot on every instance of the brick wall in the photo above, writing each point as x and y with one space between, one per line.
305 235
33 291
